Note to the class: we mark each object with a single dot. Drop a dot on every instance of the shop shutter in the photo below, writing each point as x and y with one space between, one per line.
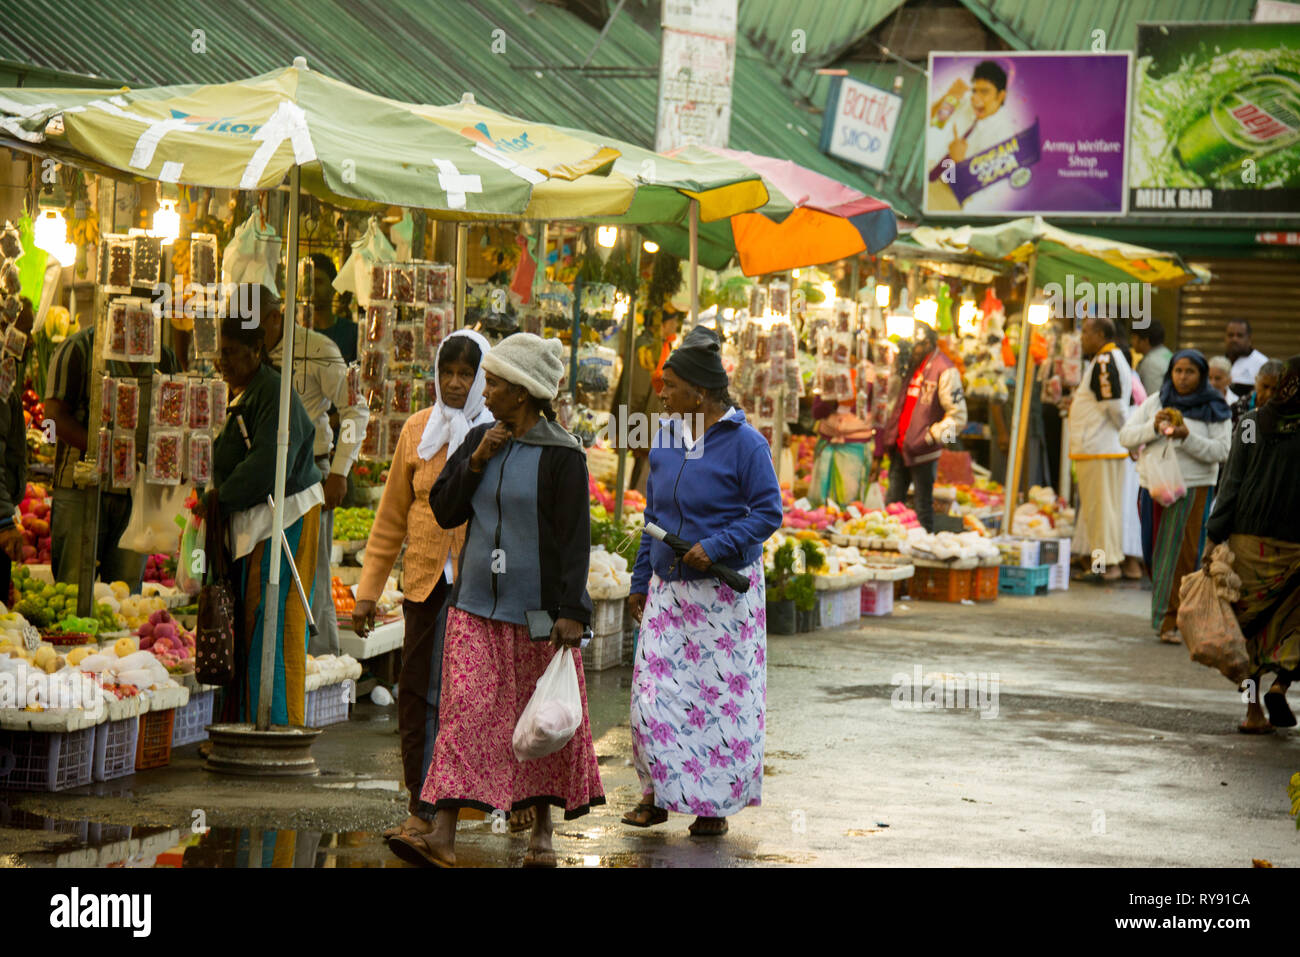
1264 291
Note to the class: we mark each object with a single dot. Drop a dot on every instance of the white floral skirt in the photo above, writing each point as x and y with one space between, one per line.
699 693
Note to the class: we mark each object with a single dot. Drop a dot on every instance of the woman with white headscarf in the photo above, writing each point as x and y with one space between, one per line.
428 440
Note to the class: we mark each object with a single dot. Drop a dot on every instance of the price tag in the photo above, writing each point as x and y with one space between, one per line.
853 512
804 504
31 638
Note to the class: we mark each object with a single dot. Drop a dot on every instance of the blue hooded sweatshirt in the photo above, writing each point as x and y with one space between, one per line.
721 493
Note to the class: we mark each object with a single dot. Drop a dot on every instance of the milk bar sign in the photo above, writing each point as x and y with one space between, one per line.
859 123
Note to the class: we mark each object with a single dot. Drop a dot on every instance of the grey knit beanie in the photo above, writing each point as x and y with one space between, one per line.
530 361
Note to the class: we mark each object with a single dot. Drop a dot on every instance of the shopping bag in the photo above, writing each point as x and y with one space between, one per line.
152 527
554 712
1206 620
214 640
192 563
1163 476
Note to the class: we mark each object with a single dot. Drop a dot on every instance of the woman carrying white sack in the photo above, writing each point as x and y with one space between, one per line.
1189 416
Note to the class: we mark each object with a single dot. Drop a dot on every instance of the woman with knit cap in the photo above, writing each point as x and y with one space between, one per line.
699 683
428 439
521 484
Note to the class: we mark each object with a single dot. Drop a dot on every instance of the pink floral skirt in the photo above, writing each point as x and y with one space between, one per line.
489 671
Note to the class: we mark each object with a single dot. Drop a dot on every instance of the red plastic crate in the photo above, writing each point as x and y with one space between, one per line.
984 583
942 584
154 747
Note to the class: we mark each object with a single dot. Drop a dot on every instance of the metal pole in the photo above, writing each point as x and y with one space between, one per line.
695 261
270 622
626 411
1019 420
462 264
573 340
1064 480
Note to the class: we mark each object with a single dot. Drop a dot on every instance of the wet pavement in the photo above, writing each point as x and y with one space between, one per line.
1101 747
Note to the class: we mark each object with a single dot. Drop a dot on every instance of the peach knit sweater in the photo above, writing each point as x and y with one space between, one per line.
404 514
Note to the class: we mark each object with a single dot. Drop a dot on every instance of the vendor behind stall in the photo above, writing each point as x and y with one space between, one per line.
842 458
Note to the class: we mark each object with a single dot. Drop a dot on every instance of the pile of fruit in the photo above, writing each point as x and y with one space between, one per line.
51 607
352 524
171 644
344 601
798 517
161 568
602 497
983 496
35 511
1044 515
33 410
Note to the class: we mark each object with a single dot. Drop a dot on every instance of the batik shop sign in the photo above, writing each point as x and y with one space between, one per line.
1006 135
859 123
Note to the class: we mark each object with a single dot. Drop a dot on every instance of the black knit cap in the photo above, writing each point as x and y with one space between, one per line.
698 359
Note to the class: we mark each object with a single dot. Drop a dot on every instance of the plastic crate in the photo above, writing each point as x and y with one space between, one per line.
46 760
1058 578
629 646
607 616
942 584
193 718
154 743
603 652
329 704
984 583
115 745
876 598
1024 581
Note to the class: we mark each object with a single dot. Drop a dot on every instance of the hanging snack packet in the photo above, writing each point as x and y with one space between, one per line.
200 406
379 281
126 403
123 456
15 342
371 445
393 426
776 365
164 460
168 402
763 347
402 396
377 401
142 334
104 453
354 384
373 365
107 400
401 279
115 342
146 260
203 258
207 333
8 376
404 343
220 402
116 252
378 318
437 324
433 282
200 458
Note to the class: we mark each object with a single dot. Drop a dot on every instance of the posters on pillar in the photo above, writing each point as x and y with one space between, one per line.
1216 120
859 123
696 66
1026 134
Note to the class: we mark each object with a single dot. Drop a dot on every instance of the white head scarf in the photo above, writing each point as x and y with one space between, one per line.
448 426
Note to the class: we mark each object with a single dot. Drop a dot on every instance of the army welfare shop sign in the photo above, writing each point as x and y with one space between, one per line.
859 123
696 66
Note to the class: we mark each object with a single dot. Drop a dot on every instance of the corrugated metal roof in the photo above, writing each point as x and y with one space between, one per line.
828 29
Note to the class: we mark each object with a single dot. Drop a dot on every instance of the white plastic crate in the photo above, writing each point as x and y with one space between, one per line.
1058 579
607 616
329 704
603 652
193 718
115 746
876 598
840 607
46 761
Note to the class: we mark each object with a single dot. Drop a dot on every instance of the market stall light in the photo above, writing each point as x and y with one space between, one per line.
650 247
167 222
829 290
882 296
621 303
968 317
795 273
1038 314
926 310
899 324
607 236
50 232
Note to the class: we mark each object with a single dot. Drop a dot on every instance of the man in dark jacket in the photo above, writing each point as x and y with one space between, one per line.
929 413
13 460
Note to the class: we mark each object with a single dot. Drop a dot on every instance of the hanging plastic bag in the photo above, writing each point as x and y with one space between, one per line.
252 254
1163 476
554 712
152 527
371 248
1206 620
191 563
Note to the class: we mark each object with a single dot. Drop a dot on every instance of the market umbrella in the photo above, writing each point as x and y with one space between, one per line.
808 219
352 146
1054 256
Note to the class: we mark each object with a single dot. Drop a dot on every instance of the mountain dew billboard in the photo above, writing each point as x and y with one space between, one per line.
1216 120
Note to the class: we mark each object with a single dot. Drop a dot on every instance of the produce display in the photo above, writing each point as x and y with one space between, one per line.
800 516
161 568
353 524
949 546
35 522
985 495
607 575
344 601
633 501
876 529
51 608
331 669
1044 515
171 644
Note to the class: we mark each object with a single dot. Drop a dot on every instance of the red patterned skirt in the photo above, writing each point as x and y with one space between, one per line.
489 671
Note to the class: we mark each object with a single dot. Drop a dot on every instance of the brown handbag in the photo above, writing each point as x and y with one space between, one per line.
214 653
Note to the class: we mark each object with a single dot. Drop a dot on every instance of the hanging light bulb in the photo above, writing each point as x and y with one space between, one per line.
650 247
795 273
50 232
166 221
882 295
607 236
1038 314
900 324
828 290
926 310
967 320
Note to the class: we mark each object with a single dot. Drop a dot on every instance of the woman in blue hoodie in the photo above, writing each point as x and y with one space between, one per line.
699 684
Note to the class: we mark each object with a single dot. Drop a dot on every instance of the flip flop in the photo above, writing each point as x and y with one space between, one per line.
415 851
1169 638
657 815
1280 714
518 822
1247 729
534 858
392 832
711 832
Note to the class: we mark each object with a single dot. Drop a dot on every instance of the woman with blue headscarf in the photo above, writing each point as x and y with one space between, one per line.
1193 417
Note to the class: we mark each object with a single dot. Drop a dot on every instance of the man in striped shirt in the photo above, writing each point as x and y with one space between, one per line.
67 402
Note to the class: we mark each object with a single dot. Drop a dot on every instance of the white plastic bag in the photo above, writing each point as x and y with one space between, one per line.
554 712
1163 476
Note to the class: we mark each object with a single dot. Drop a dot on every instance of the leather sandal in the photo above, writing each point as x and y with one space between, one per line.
709 827
653 815
536 858
414 850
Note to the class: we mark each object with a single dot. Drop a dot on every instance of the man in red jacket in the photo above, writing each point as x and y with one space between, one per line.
929 413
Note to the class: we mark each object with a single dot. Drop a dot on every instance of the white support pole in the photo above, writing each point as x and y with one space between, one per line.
270 620
695 261
462 264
